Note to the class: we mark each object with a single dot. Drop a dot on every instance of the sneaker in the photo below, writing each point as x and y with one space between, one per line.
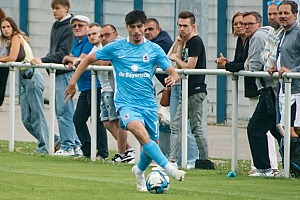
78 152
279 173
117 158
101 159
132 161
190 166
158 168
57 146
256 173
178 174
174 164
140 180
61 152
129 155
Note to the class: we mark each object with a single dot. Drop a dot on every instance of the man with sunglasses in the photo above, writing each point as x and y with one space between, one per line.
61 40
80 49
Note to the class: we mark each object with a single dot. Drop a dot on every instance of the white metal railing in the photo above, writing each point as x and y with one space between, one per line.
184 75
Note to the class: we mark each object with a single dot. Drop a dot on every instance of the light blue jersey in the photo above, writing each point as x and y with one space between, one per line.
134 67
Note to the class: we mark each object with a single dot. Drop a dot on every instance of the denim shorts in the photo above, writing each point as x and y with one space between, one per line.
108 108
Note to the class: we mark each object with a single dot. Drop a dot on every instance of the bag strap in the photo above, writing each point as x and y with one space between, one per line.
164 89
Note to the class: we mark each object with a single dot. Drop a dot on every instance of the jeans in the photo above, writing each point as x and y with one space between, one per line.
32 110
64 113
193 152
164 138
81 115
262 121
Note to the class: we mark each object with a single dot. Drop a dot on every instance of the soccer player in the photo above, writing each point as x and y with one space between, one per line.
134 60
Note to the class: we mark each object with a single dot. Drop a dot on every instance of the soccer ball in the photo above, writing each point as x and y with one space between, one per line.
157 182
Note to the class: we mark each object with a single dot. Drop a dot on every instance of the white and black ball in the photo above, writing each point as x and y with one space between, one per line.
157 182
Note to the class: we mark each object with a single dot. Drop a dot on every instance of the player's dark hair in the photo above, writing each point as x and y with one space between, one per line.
135 16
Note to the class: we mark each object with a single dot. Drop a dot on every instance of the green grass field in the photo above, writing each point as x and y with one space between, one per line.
24 175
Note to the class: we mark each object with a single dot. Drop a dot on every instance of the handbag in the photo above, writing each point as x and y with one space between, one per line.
165 96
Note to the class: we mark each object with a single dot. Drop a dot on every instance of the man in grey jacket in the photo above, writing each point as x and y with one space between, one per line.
289 60
264 116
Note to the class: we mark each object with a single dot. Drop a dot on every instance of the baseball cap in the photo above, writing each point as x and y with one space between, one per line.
81 18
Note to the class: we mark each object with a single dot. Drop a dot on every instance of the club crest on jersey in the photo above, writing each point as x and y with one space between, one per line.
126 117
134 68
145 58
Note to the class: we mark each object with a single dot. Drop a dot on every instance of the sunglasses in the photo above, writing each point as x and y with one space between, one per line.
78 25
273 2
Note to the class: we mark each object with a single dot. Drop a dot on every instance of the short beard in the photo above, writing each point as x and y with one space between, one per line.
137 41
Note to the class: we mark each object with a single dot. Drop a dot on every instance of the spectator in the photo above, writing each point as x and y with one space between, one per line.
192 153
3 70
241 54
32 84
251 92
154 33
268 57
80 49
134 66
257 128
289 61
61 40
190 55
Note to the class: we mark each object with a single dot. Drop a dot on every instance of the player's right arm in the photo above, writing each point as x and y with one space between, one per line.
71 89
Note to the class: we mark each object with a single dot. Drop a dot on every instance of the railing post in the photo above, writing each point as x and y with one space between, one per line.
287 125
184 78
234 121
52 110
94 116
12 106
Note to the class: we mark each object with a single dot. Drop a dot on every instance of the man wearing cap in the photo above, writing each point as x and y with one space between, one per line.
80 49
61 40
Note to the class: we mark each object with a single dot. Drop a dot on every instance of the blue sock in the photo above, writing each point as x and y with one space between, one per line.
144 162
154 152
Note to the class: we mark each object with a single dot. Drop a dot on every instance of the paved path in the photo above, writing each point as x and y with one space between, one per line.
219 136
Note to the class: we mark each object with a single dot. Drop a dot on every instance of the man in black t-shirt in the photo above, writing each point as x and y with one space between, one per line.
190 55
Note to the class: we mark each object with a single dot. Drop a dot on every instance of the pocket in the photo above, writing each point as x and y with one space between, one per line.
27 73
269 101
199 98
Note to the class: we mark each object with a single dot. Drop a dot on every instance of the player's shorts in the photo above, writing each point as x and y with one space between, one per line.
295 109
108 108
148 117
